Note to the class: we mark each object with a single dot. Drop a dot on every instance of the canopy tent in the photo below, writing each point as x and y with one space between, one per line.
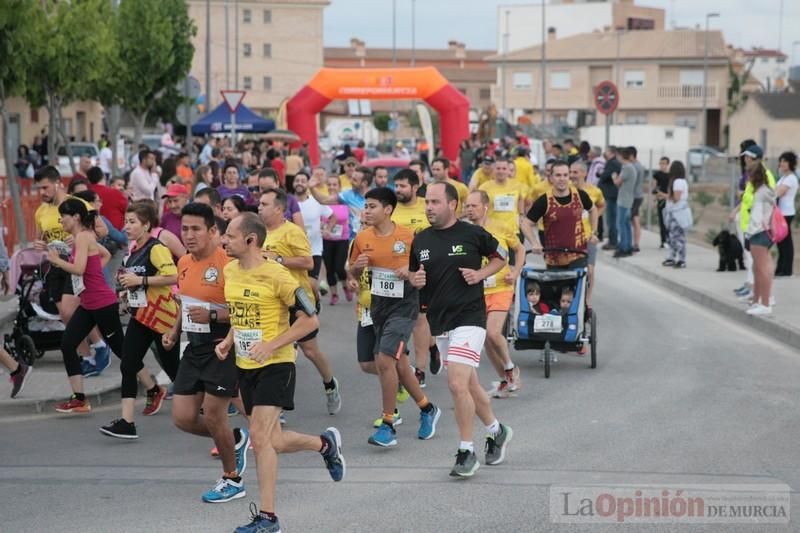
219 121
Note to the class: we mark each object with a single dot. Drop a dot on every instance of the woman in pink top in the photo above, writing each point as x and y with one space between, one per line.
335 243
98 303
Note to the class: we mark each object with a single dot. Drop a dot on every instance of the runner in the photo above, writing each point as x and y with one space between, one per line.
483 173
439 169
335 243
353 198
506 197
381 178
149 274
203 380
288 245
57 283
98 303
261 295
410 212
591 218
383 248
313 213
498 290
446 265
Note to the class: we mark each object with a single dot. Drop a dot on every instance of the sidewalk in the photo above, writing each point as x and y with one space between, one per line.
700 283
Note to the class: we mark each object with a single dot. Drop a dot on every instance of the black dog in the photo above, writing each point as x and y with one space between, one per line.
730 251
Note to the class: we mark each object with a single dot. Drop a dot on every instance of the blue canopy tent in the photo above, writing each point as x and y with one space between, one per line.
219 121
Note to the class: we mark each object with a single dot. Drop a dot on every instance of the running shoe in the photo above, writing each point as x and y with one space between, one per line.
402 394
102 359
513 378
74 405
500 389
241 450
396 420
232 410
88 369
668 263
334 398
154 401
259 523
420 375
19 379
324 289
466 464
744 289
435 362
348 294
120 429
385 436
680 264
334 299
759 310
334 460
496 445
224 491
427 423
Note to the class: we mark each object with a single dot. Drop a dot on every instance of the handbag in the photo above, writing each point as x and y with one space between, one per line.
683 216
778 228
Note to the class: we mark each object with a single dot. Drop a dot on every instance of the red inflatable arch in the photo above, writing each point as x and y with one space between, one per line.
425 83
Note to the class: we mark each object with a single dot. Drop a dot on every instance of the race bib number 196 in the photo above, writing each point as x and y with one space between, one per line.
244 339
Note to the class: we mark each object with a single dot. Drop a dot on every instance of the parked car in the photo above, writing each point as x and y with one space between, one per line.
392 164
78 150
698 155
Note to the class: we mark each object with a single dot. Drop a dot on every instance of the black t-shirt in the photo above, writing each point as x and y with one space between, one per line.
662 181
451 301
539 207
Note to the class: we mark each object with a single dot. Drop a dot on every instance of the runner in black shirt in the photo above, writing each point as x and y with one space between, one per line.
445 265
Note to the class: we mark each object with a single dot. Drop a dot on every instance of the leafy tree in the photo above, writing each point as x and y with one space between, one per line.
381 121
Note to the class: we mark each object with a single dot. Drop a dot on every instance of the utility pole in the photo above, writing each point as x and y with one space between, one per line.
544 69
227 51
236 42
704 135
505 76
413 33
208 55
394 57
617 69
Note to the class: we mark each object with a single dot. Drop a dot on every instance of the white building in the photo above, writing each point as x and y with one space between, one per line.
770 68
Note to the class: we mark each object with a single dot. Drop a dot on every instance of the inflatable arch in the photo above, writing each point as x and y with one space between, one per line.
424 83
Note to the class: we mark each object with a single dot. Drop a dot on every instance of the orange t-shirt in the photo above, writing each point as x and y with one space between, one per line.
202 283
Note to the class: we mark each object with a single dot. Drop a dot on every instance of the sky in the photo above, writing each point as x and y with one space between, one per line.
473 22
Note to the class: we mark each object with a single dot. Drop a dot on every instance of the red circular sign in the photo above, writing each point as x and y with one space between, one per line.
606 97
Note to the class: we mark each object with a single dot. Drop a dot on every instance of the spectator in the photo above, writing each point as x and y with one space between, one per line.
105 159
638 198
606 184
660 189
676 212
207 154
275 162
596 165
114 202
26 162
786 191
359 152
84 164
232 207
758 240
466 154
144 179
268 179
176 197
294 164
626 183
77 185
232 184
184 169
211 198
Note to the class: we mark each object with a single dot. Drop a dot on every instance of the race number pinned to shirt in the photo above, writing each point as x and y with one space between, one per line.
490 282
547 324
504 202
187 324
77 285
366 318
244 340
137 298
386 283
337 231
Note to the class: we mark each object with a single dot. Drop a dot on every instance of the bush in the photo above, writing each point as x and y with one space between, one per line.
725 199
703 198
381 121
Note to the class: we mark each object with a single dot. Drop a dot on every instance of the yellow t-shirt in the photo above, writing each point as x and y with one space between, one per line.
525 174
597 201
290 240
344 183
504 202
259 300
508 239
48 222
463 192
412 216
481 175
161 311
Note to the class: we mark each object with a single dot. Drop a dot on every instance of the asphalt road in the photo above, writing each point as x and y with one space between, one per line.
680 396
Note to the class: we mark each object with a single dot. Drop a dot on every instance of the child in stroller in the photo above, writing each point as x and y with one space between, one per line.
19 371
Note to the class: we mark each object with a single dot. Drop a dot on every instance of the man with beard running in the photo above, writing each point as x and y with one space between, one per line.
445 265
313 213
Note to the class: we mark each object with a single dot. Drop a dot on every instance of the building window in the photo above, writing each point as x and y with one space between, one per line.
35 115
634 79
267 83
485 94
635 119
247 49
267 16
560 80
248 82
247 16
521 80
691 77
689 121
780 60
765 60
267 50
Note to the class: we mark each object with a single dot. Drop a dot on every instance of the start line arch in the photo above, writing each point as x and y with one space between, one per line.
423 83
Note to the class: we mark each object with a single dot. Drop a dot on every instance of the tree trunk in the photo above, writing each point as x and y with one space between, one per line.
112 114
11 175
138 123
52 145
65 138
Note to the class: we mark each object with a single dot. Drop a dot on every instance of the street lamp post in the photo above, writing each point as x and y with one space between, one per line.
543 69
704 136
505 77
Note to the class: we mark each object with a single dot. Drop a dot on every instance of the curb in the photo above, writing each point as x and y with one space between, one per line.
767 327
21 407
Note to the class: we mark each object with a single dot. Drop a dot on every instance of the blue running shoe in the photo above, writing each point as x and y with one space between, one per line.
241 451
88 369
259 524
232 410
102 358
334 460
427 423
225 491
385 436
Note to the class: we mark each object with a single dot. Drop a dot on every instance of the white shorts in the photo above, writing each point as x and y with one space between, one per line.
462 345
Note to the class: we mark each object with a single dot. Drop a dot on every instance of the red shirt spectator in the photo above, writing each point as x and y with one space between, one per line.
114 202
278 166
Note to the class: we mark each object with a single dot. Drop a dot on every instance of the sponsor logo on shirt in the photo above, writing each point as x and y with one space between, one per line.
399 248
424 255
456 250
211 274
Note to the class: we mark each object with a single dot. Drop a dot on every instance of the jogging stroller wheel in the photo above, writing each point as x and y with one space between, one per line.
26 350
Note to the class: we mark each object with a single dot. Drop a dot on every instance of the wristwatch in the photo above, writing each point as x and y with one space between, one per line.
279 259
212 316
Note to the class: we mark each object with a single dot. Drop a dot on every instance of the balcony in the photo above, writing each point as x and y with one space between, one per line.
688 95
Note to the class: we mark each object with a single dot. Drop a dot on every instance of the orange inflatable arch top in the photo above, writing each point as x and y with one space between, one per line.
424 83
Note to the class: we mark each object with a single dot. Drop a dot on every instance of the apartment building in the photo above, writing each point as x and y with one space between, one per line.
659 74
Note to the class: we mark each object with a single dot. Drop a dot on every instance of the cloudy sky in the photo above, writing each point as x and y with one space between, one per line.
474 21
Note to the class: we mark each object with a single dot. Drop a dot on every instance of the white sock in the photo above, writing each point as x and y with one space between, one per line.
509 366
90 359
494 428
99 344
464 445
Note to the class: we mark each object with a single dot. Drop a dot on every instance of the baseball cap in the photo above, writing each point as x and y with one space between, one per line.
488 159
753 151
175 189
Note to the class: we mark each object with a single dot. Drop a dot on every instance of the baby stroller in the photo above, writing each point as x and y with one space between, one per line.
567 331
37 326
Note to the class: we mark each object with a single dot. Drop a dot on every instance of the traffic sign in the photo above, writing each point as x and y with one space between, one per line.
606 97
233 99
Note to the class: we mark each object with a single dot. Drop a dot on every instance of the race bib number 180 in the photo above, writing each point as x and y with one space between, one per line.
187 324
386 283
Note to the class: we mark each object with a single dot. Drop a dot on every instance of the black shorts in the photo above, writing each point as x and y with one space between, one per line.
200 370
391 337
637 204
293 318
271 385
57 283
314 272
365 343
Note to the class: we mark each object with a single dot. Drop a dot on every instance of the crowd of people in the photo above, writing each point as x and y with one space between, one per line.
229 255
